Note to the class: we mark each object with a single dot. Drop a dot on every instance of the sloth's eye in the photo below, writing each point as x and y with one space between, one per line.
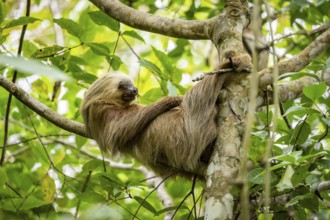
121 87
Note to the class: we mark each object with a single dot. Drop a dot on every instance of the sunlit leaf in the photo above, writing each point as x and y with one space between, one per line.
285 182
80 141
47 51
315 91
99 49
3 11
34 67
171 89
151 66
134 35
308 157
151 96
300 110
146 204
172 72
79 74
48 188
70 26
114 61
297 75
91 197
40 153
21 21
24 203
100 18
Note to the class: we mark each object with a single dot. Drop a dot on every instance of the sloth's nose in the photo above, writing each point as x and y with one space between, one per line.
135 90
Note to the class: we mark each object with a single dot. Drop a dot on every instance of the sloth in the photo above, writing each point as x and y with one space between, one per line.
173 136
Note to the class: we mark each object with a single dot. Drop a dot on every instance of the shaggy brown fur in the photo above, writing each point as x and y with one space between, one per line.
168 136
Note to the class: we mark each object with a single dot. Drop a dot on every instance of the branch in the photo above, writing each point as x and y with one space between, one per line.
293 89
225 159
322 28
43 110
193 29
297 63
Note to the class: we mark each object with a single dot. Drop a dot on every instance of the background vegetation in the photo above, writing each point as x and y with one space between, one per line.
49 173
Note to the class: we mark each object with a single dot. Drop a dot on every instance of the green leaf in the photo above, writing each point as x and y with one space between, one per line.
33 67
24 204
285 182
114 61
287 158
308 157
299 110
93 165
47 51
310 203
3 177
180 48
315 91
40 153
70 26
172 73
301 133
134 35
3 11
151 96
80 141
29 48
146 204
100 211
99 49
299 175
100 18
296 199
297 75
79 74
21 21
150 66
256 176
48 188
171 89
92 197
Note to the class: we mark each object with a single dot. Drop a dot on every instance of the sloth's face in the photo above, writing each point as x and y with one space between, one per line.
129 91
117 89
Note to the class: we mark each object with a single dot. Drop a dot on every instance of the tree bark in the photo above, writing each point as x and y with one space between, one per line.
224 164
193 29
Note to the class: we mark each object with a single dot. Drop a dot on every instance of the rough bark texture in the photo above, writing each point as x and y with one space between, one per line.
298 62
224 165
194 29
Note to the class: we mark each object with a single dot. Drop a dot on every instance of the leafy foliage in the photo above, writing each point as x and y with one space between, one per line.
52 174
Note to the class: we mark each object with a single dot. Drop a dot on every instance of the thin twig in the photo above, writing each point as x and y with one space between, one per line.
198 78
19 52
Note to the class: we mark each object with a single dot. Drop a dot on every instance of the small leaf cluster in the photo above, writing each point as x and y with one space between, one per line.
300 158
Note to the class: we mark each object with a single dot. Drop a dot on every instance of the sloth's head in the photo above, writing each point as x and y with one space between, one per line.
114 89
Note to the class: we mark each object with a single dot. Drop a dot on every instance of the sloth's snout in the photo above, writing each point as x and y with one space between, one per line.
134 90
